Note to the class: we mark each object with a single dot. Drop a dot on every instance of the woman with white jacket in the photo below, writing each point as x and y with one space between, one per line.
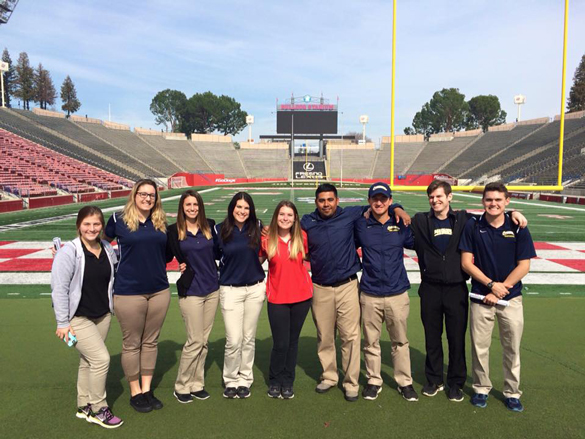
82 279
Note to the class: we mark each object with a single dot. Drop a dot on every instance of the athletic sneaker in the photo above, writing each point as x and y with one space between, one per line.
140 403
287 393
323 387
244 392
514 404
455 394
274 391
183 398
201 395
230 393
432 389
83 412
408 393
351 395
371 392
153 400
479 400
105 418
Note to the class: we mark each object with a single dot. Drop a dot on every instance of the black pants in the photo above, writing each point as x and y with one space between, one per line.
452 301
286 322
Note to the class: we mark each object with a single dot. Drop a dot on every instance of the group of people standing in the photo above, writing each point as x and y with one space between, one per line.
90 282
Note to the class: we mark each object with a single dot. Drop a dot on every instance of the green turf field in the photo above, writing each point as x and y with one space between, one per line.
547 221
38 372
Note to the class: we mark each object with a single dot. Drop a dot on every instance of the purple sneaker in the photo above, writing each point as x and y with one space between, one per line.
84 412
105 418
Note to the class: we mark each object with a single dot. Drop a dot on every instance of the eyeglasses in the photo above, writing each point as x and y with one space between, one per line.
144 195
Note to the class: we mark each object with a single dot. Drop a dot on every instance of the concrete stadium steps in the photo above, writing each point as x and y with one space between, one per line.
266 163
484 148
70 130
179 152
521 151
435 154
28 129
133 145
404 155
222 158
542 167
357 163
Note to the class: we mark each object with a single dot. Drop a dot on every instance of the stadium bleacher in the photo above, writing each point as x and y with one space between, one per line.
357 163
435 154
404 155
180 152
222 158
484 148
29 169
266 163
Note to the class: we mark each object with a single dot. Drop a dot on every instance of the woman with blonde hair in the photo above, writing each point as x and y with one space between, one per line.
191 241
82 278
141 287
289 291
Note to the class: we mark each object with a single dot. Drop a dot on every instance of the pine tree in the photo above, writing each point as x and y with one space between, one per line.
24 81
576 101
9 78
45 93
69 97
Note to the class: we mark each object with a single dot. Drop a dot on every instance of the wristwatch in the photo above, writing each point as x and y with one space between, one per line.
490 285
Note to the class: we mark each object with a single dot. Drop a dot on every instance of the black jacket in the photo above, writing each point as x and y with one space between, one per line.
174 251
434 266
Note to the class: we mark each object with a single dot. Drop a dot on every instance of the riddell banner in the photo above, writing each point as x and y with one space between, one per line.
309 170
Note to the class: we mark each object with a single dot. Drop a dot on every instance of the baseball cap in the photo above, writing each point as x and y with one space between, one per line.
380 188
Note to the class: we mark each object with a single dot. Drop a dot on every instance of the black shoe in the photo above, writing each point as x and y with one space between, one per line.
140 403
201 395
153 400
408 393
455 394
183 398
350 396
371 392
274 391
230 393
243 392
432 389
287 393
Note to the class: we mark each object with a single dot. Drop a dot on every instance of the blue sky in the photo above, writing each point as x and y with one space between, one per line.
123 52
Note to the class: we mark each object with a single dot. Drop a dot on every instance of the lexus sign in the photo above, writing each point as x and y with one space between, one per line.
309 170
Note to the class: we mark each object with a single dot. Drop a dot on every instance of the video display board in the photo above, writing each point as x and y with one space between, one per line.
306 122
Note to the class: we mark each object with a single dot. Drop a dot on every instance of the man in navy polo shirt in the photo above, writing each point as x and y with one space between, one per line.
335 306
383 289
497 256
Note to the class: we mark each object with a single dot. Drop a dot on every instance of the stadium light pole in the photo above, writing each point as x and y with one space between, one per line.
3 68
292 149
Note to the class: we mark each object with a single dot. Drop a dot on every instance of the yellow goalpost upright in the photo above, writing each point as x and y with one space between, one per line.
558 187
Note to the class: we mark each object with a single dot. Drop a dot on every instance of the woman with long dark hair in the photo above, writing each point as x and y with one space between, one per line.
82 278
241 292
289 291
191 241
141 287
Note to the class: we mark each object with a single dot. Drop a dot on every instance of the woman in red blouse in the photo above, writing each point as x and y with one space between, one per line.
289 291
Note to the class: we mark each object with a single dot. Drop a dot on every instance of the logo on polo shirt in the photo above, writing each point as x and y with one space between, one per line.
508 234
393 229
440 232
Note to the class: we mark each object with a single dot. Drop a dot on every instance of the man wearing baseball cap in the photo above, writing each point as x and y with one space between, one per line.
383 291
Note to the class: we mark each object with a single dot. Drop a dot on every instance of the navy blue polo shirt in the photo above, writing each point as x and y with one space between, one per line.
382 246
142 262
496 251
442 232
239 263
199 252
331 244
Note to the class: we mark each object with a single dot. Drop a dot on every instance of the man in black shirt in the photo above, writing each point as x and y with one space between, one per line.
443 289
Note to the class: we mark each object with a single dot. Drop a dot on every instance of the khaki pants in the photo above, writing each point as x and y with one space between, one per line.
198 314
338 308
241 308
141 318
511 324
394 311
94 360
